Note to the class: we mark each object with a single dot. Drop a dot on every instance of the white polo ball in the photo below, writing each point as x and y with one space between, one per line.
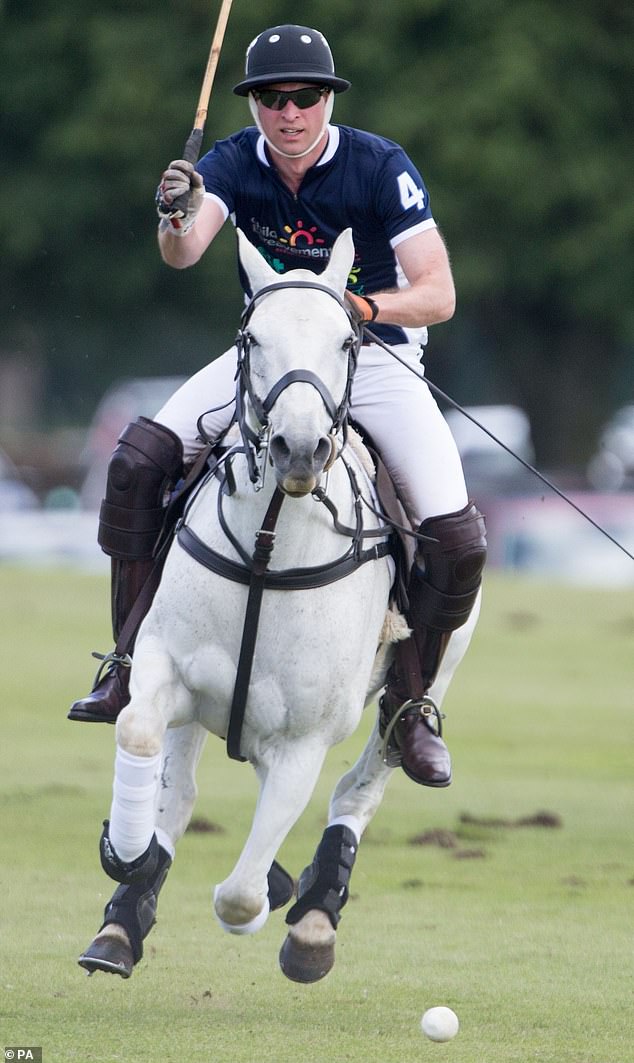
440 1024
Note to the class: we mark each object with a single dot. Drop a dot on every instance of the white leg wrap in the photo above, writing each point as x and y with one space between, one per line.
132 810
352 822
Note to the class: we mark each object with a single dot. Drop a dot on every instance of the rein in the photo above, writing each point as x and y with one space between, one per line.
531 468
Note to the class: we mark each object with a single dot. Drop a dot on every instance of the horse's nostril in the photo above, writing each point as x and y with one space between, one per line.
280 451
322 451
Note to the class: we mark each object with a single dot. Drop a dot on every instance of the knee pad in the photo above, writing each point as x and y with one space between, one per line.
446 575
146 463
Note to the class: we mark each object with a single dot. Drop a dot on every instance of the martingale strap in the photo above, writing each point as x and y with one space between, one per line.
289 579
264 543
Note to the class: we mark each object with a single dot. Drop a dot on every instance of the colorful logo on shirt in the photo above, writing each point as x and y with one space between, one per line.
299 240
353 280
306 236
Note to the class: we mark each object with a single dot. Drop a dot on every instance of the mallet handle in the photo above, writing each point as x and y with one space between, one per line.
191 151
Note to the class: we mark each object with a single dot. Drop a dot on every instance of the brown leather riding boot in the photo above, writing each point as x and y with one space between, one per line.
443 587
111 690
109 695
144 468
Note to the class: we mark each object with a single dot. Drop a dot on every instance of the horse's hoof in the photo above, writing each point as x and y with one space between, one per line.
109 954
306 963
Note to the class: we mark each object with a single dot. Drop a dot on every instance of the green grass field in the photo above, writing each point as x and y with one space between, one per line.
525 930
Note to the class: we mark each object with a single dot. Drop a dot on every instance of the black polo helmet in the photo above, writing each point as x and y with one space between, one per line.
289 53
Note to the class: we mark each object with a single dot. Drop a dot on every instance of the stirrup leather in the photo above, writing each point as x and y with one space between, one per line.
432 717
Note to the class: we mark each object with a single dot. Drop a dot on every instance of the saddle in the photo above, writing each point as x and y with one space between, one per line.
393 511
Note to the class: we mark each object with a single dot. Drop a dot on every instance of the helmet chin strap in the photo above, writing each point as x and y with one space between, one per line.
330 102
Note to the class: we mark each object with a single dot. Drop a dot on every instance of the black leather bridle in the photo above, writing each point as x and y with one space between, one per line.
262 407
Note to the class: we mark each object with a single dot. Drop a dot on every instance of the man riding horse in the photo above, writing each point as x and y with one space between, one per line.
292 184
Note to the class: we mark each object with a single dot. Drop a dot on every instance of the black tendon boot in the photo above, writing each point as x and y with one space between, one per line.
444 584
146 464
129 916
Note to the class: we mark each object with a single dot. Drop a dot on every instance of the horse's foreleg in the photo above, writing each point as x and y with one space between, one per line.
287 779
308 953
131 911
158 699
177 790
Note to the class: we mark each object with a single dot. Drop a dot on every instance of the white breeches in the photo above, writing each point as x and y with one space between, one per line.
395 407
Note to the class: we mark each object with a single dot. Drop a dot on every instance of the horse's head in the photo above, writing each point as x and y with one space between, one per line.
297 356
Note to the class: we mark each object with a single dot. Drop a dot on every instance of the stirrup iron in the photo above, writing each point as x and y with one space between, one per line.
114 658
426 707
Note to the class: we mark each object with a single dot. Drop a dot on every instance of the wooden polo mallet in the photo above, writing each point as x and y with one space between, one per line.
193 145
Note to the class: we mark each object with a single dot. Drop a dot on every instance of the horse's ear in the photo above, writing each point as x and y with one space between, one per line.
336 274
256 268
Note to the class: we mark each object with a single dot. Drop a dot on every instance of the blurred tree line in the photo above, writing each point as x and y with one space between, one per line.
517 112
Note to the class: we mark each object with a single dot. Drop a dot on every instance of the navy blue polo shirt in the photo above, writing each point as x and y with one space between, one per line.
361 181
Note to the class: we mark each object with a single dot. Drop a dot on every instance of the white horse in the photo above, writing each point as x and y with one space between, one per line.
314 662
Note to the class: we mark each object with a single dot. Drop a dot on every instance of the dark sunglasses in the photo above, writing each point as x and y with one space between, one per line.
275 100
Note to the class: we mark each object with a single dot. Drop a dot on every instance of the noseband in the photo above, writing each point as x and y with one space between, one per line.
263 407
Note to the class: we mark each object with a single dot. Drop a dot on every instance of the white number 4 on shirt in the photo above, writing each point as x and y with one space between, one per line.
411 194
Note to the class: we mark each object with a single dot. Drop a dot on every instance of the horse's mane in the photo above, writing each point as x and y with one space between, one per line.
361 452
